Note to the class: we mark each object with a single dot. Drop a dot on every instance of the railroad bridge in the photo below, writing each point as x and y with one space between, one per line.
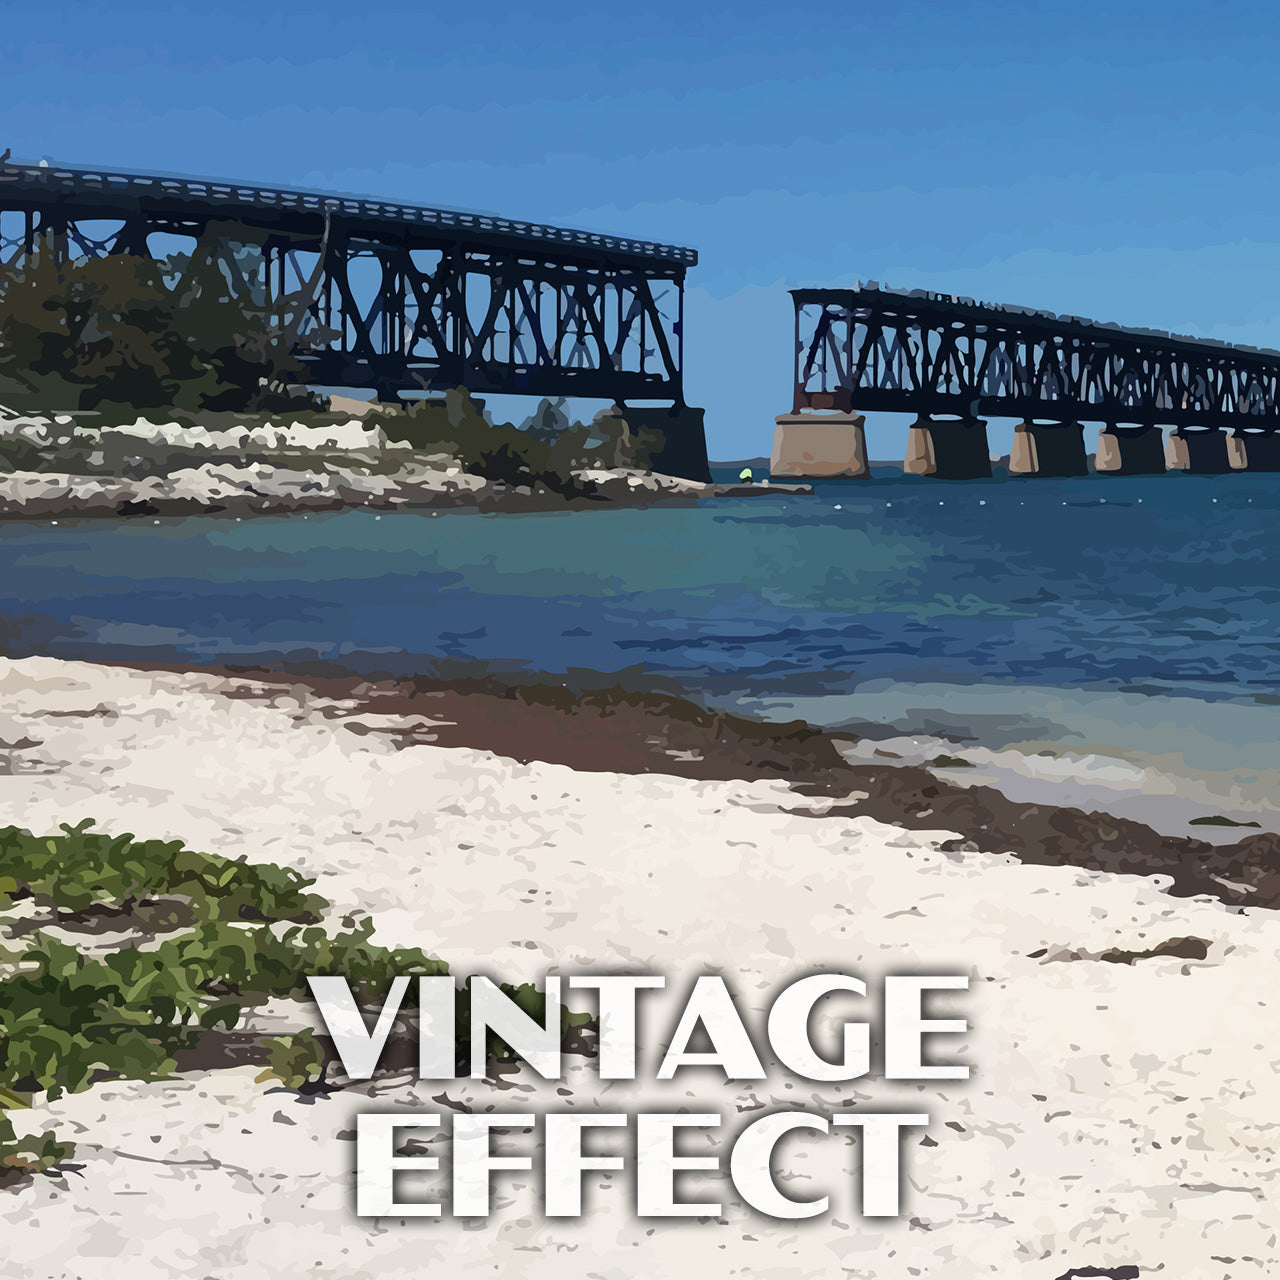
951 360
420 298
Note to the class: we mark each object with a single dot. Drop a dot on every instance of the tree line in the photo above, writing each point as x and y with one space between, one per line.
138 333
195 333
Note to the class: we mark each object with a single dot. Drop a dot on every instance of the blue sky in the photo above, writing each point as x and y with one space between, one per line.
1123 166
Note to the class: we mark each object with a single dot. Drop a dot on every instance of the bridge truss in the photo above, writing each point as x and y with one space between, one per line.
411 297
868 348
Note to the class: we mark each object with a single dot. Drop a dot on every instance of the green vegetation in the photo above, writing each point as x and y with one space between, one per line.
20 1156
546 455
133 333
203 940
946 762
422 433
300 1062
80 868
192 338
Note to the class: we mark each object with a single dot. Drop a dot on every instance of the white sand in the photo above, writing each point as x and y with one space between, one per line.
1117 1115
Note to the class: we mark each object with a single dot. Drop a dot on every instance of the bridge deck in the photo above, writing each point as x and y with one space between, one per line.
109 193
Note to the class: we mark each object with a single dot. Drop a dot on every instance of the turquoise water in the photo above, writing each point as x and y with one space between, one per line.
991 613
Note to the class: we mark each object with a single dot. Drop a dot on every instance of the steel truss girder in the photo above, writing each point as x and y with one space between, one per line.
871 349
532 327
551 323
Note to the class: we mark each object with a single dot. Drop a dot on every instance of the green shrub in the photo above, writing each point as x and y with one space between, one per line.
251 934
68 1019
504 454
39 1154
80 868
124 332
298 1061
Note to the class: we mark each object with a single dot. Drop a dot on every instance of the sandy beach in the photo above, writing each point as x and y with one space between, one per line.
1119 1114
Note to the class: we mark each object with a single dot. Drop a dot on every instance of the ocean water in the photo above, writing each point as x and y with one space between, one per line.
1119 637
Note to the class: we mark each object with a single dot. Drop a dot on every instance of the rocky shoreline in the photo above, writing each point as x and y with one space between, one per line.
58 469
249 491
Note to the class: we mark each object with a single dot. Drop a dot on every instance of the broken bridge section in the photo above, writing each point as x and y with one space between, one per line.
410 297
952 362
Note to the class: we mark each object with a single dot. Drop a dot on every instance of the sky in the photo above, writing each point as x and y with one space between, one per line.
1121 164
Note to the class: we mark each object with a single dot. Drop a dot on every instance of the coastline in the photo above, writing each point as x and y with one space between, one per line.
207 490
1084 1086
621 731
59 470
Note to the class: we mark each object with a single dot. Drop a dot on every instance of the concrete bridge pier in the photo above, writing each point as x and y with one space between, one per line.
919 460
1130 451
1237 454
1048 449
948 449
679 439
1199 452
1261 449
819 444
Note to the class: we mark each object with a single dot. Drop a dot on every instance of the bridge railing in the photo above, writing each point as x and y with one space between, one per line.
62 181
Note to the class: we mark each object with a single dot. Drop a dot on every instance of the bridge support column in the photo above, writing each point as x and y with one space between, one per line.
1048 449
919 460
1237 453
1201 452
948 449
679 439
1130 451
819 444
1261 450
